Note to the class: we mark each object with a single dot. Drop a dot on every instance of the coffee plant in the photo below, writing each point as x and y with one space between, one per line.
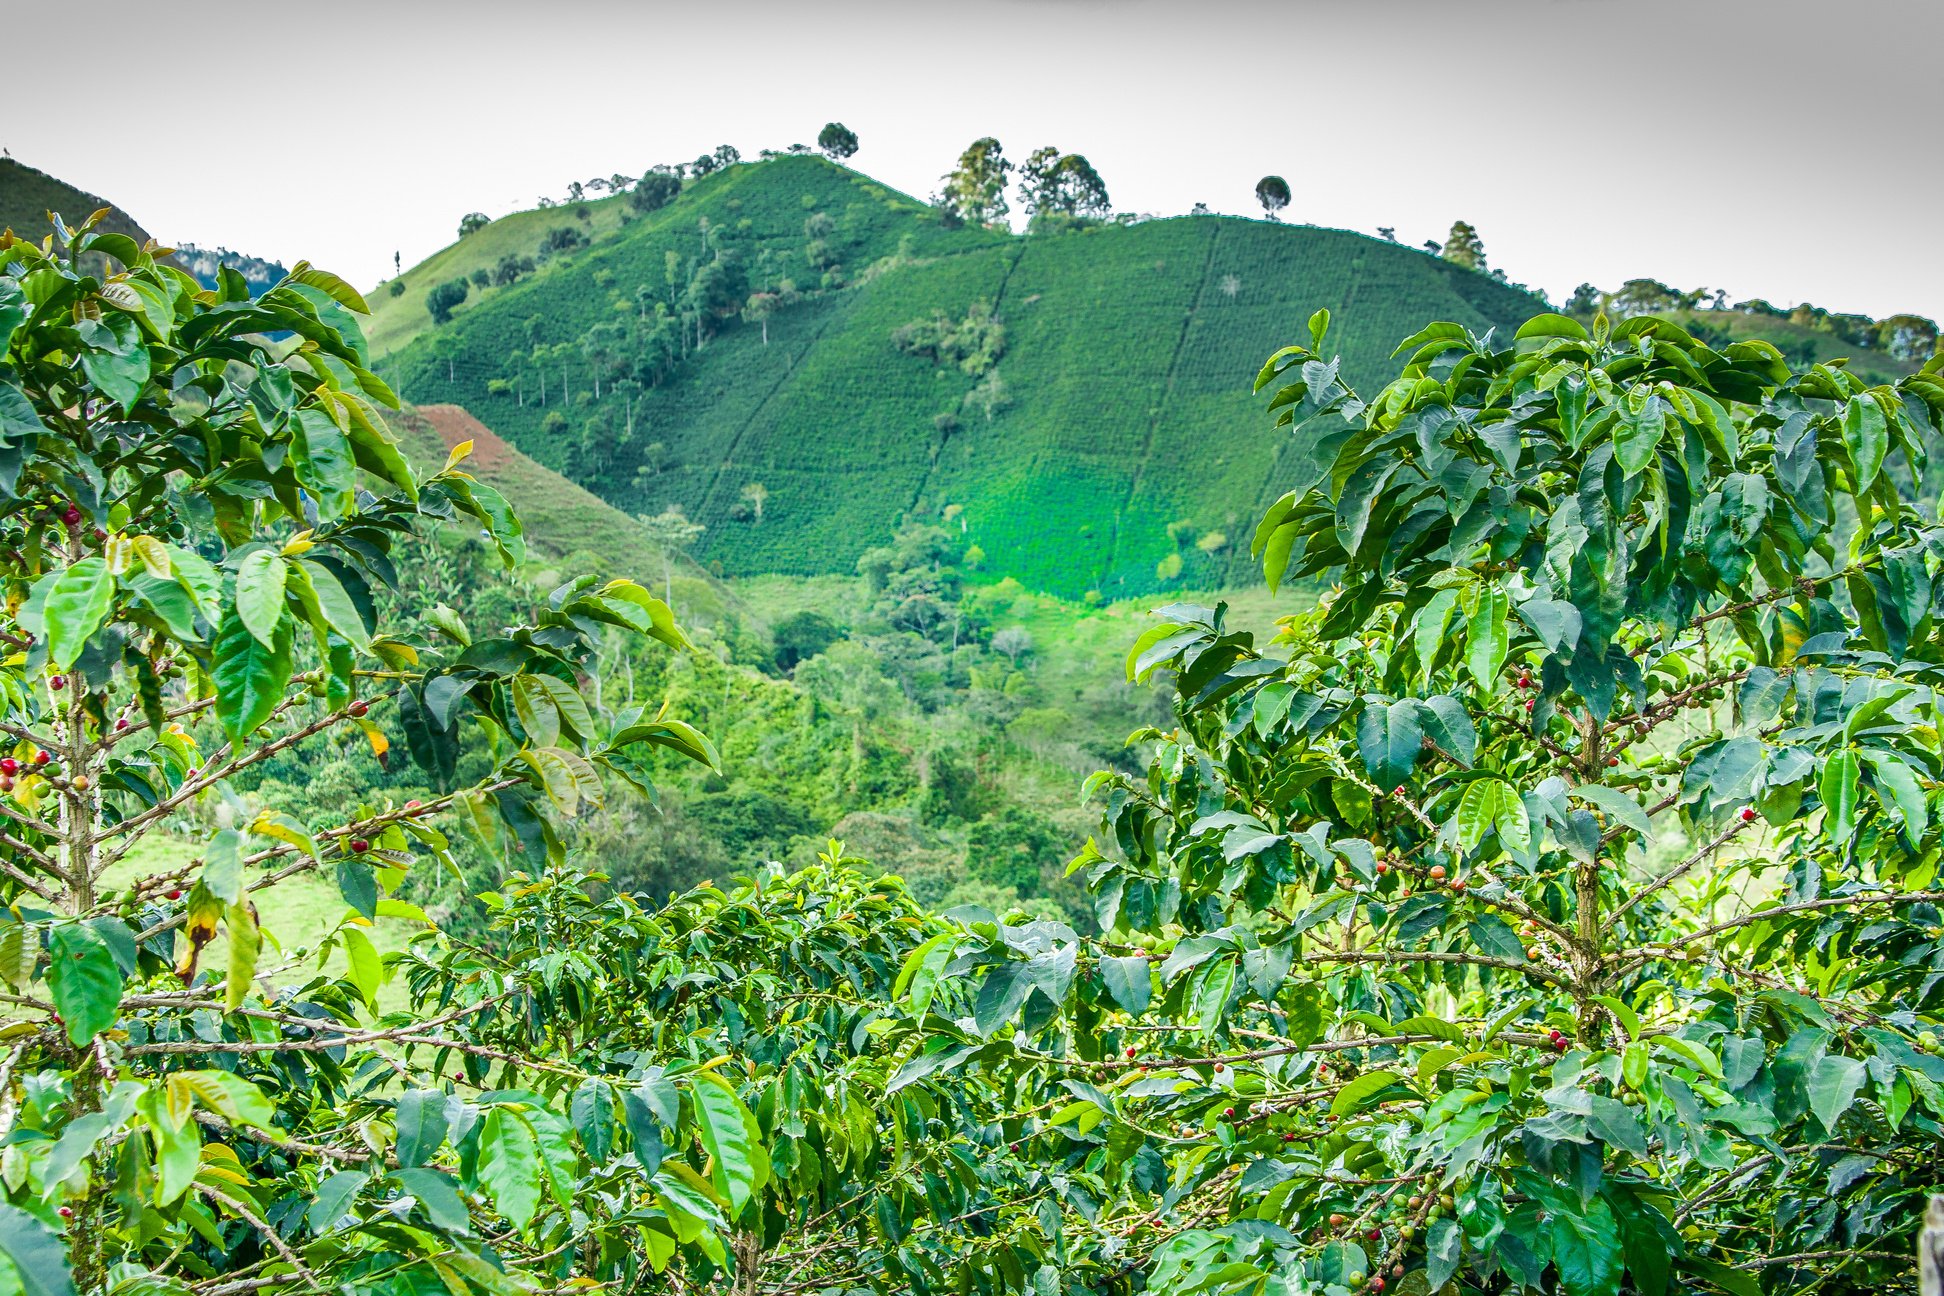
1554 905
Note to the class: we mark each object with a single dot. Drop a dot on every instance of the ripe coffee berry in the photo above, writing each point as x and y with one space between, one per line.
358 708
8 765
58 683
359 845
1437 872
1748 814
72 516
175 893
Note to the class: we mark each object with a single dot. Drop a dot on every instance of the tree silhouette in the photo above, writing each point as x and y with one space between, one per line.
1463 247
1272 191
837 141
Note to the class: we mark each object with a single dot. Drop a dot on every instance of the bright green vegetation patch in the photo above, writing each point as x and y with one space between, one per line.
1113 444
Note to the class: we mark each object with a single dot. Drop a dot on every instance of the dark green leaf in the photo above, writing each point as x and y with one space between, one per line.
250 676
85 979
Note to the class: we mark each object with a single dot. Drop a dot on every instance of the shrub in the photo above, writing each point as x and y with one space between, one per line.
441 300
655 190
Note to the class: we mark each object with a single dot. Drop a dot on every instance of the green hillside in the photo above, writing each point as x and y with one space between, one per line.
398 318
27 195
1126 409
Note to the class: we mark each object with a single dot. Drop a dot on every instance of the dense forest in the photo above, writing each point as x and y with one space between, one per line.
425 869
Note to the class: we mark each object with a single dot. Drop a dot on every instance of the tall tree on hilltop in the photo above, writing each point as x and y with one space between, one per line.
1463 247
837 140
1059 184
975 189
1272 191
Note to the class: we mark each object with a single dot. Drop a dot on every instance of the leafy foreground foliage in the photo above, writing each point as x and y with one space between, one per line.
1393 993
199 501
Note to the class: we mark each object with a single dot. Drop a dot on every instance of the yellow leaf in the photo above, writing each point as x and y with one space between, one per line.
117 555
459 454
380 745
301 543
154 556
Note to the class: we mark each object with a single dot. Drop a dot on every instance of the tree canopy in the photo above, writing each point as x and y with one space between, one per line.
1272 191
444 297
1463 247
657 187
1060 185
975 189
837 141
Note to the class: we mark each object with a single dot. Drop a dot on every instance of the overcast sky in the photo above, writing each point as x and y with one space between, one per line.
1775 148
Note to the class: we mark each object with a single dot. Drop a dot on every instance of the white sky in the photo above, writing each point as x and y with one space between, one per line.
1776 148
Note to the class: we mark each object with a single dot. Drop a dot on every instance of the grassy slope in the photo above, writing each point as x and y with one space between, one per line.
1130 352
397 320
561 519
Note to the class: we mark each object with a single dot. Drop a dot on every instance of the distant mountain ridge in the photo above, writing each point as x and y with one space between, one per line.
802 358
205 263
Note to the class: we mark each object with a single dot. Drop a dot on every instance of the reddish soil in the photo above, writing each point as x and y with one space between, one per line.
454 424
